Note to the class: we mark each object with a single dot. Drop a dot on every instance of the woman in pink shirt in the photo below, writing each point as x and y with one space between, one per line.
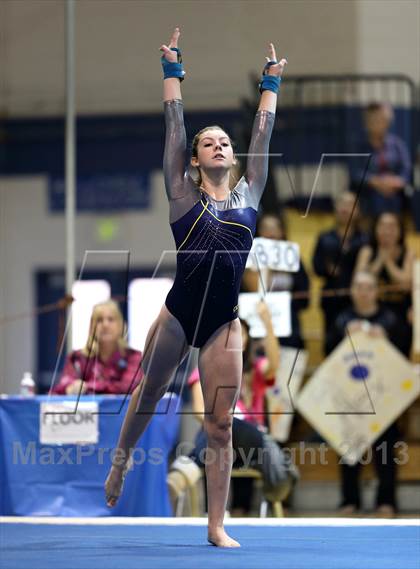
106 364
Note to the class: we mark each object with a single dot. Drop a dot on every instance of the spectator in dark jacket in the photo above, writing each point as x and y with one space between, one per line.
388 257
367 314
389 166
335 256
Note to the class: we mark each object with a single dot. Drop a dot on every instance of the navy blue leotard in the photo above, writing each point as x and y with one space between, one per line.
212 237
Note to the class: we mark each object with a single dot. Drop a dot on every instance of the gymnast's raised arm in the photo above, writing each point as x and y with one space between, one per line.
258 152
175 139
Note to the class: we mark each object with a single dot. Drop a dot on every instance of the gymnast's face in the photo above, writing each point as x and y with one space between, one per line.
214 151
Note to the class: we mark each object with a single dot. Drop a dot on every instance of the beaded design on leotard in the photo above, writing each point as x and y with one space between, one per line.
213 238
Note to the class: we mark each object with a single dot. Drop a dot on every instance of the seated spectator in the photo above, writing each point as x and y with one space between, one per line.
249 438
335 256
391 261
272 226
388 169
366 313
106 364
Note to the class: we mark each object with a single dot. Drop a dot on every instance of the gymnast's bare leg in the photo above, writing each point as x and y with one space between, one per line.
165 348
220 366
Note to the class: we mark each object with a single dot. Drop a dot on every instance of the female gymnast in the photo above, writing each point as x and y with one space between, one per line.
213 227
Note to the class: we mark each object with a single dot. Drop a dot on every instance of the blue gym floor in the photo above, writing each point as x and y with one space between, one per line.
181 543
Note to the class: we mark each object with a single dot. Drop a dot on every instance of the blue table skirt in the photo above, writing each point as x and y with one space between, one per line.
37 480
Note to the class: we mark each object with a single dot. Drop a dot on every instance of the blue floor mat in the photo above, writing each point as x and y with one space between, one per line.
32 546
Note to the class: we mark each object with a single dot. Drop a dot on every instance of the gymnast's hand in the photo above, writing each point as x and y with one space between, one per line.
277 67
113 485
115 480
167 53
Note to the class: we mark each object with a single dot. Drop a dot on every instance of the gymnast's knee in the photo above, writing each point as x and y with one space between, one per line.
219 428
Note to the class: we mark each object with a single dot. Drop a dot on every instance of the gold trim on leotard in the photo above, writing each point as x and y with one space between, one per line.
205 208
193 225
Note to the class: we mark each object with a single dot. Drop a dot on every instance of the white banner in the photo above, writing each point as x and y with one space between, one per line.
359 390
145 299
85 294
274 255
281 397
279 306
59 424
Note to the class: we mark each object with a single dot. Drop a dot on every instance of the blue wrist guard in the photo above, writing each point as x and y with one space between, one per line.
269 82
172 69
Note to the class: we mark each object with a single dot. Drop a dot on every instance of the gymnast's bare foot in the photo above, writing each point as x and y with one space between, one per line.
220 538
114 484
